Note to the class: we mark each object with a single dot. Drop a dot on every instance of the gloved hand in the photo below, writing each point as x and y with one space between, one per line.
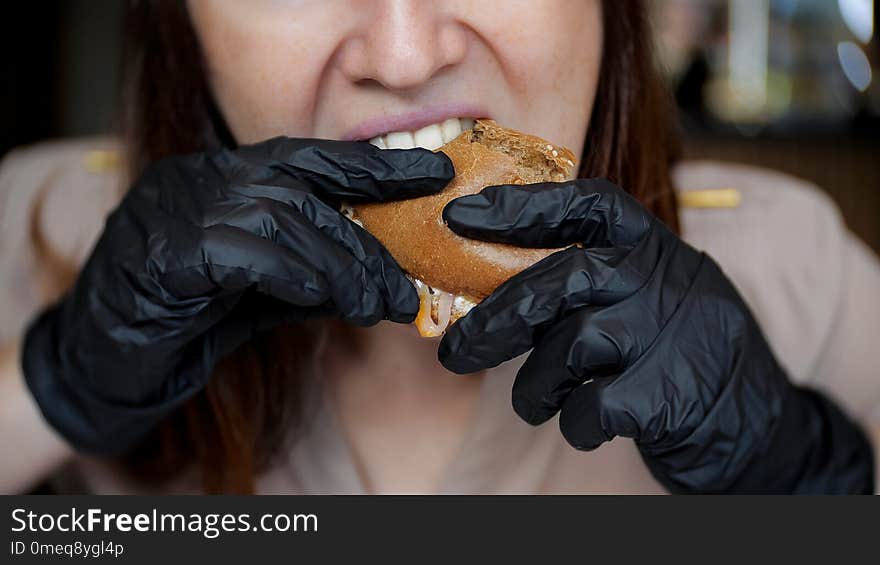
203 252
637 334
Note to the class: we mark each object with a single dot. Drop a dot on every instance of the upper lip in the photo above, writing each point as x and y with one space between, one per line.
414 120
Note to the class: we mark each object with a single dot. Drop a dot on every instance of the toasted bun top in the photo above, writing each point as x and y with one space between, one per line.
414 231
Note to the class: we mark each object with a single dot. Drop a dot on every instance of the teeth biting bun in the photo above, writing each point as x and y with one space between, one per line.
452 273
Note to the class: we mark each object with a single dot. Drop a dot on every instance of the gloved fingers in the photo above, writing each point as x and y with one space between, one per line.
224 261
308 225
253 313
589 344
591 212
509 321
645 401
309 271
343 170
582 420
349 285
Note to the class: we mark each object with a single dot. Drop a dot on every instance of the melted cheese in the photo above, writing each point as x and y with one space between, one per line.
438 309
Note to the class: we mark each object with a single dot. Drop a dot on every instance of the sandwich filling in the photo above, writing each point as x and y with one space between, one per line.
438 309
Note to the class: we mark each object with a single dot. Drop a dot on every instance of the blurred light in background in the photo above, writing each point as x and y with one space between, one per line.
855 64
782 66
744 97
788 85
859 17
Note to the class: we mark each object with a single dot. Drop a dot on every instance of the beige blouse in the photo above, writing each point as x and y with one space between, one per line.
812 285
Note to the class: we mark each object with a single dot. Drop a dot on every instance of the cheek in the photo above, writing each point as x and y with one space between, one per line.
552 59
252 100
262 68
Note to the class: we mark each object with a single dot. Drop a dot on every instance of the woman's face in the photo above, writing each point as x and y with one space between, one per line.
357 69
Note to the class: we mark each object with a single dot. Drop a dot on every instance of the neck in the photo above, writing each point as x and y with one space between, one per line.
404 415
389 355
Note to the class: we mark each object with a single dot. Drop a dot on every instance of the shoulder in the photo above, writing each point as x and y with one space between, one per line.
85 159
61 188
73 164
780 219
53 200
783 246
764 192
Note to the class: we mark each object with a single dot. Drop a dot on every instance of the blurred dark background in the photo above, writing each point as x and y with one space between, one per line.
60 68
786 84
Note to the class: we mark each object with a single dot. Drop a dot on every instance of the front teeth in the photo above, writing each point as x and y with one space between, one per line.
429 137
399 140
451 129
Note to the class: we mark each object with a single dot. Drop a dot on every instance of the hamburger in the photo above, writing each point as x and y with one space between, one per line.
453 273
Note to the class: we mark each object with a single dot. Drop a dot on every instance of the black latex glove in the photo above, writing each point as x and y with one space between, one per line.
637 334
205 251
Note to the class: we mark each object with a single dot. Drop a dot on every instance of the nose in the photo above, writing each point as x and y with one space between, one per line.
401 44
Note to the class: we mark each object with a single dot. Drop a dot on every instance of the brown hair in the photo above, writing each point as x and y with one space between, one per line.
230 431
